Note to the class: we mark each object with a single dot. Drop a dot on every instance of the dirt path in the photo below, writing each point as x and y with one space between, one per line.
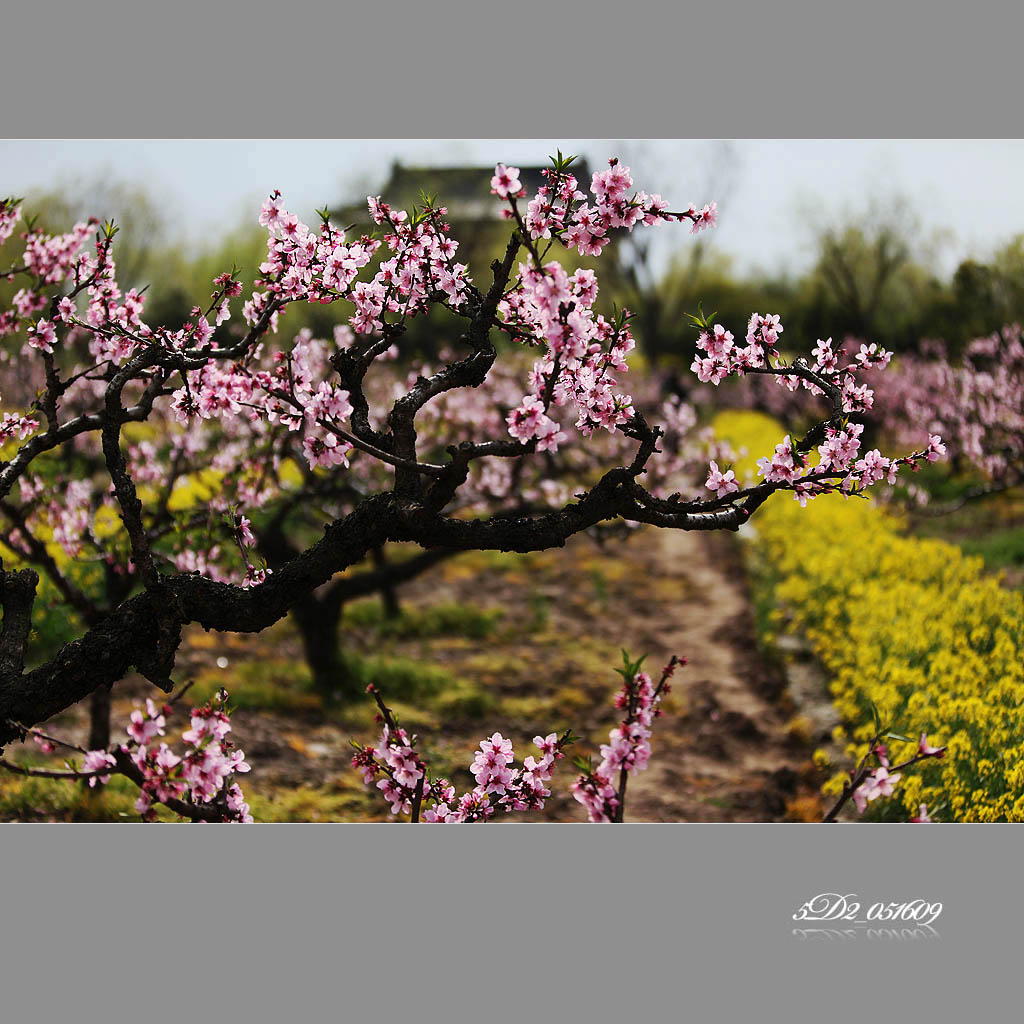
732 755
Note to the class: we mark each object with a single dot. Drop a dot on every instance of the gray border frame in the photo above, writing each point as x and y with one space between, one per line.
564 922
598 924
459 69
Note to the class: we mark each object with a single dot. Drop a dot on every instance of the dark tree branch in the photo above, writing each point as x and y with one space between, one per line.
17 594
124 486
145 630
468 372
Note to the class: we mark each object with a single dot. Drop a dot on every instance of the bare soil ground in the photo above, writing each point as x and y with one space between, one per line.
735 751
730 747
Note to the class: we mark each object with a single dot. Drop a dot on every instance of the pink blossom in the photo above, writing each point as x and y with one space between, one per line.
22 426
877 783
254 576
872 355
42 742
936 449
872 467
43 336
144 726
781 468
243 526
325 450
721 483
96 760
505 182
706 218
824 358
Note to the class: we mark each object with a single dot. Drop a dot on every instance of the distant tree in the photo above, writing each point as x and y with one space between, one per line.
872 278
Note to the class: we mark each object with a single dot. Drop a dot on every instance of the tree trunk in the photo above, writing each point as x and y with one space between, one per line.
319 621
99 719
388 593
99 727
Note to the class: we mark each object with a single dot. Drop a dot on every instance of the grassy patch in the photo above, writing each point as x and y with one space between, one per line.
398 678
527 708
27 799
1001 550
540 610
464 700
317 803
445 619
992 527
273 684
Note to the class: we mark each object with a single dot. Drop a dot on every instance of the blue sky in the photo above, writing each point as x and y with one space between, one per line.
966 195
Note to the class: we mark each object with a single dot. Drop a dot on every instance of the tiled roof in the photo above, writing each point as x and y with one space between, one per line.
466 191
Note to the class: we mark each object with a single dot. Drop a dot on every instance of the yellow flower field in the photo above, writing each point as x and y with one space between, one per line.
913 626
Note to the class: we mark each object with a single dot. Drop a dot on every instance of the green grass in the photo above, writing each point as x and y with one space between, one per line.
1001 549
762 580
942 486
27 799
444 619
436 691
398 678
540 610
465 700
316 803
992 527
273 684
285 686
